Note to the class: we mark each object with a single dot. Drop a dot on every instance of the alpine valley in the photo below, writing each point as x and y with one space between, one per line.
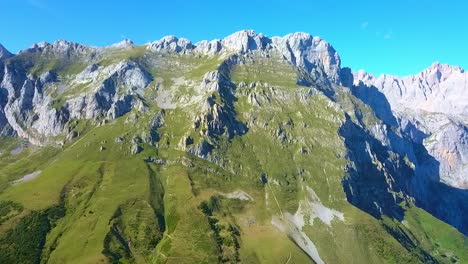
248 149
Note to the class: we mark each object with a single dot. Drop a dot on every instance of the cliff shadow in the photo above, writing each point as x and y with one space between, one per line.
367 182
372 97
415 173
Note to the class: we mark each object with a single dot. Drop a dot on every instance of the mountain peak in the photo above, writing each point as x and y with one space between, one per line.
438 72
123 44
310 53
443 68
171 43
60 46
245 40
4 53
362 76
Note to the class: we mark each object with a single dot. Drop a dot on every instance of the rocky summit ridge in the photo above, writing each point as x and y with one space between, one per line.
251 137
300 49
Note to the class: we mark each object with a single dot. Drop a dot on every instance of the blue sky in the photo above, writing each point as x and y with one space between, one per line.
397 37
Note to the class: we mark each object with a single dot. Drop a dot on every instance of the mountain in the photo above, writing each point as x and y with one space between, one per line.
4 53
248 149
435 102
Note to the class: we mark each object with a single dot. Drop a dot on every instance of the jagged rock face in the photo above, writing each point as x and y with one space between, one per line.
26 102
440 88
375 176
171 44
310 53
430 109
433 101
60 47
446 140
450 147
126 43
216 120
23 95
208 47
210 82
151 136
113 97
244 41
5 127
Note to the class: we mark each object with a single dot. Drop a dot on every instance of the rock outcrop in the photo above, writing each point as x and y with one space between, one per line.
59 47
208 47
245 41
312 54
28 108
126 43
171 44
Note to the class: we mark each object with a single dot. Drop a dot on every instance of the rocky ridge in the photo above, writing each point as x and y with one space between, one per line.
310 54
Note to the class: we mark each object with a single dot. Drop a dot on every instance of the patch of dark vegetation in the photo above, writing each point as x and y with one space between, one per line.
204 174
264 178
9 209
116 247
54 214
226 234
383 245
408 241
24 242
134 232
156 198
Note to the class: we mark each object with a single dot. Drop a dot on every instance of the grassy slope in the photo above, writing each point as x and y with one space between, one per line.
18 159
442 240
